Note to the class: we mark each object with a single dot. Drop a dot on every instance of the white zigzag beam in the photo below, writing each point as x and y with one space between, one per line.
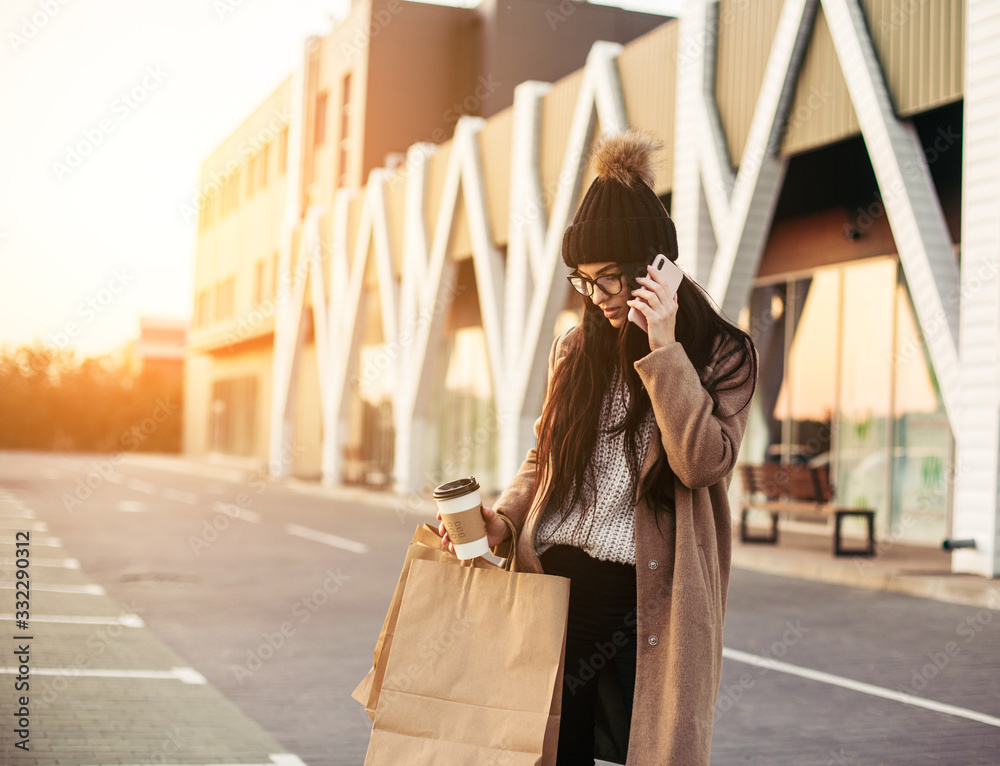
740 209
531 240
525 238
748 211
464 175
373 237
332 388
909 197
285 336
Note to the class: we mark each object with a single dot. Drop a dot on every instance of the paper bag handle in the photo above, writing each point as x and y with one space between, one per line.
509 561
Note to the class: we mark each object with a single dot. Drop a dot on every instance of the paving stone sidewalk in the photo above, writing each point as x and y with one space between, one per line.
84 683
897 567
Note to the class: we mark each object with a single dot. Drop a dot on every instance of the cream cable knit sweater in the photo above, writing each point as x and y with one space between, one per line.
605 531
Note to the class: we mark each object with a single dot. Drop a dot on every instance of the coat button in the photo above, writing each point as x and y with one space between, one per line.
653 564
653 640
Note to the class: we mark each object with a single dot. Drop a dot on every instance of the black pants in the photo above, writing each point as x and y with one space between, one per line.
601 631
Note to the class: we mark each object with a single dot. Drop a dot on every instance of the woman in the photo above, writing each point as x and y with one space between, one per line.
626 490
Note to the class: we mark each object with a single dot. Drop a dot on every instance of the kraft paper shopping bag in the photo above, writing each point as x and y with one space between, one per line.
426 545
474 675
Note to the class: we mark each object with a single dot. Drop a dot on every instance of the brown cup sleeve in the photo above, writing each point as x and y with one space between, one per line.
465 526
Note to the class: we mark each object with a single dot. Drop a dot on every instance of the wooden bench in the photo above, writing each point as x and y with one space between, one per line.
800 490
361 471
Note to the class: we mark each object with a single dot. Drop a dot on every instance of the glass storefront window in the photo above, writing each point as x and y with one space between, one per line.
468 429
369 459
921 435
845 379
807 395
862 430
764 440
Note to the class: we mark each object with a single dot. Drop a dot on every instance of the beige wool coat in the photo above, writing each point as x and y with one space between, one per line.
682 568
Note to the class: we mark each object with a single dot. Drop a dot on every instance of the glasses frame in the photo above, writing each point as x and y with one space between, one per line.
591 283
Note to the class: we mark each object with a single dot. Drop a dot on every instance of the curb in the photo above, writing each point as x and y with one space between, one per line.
967 590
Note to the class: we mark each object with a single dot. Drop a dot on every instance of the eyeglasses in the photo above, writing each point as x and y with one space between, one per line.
610 284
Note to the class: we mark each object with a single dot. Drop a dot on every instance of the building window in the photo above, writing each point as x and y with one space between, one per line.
319 124
223 199
258 283
218 202
202 307
345 130
262 162
233 416
845 379
231 194
251 174
207 210
224 299
275 260
283 151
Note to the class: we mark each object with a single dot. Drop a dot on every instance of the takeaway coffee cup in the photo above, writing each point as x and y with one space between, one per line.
462 513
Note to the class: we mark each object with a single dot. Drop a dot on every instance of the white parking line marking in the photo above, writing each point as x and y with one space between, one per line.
125 620
38 526
185 675
180 497
846 683
236 512
188 675
86 590
142 486
130 506
60 563
327 539
47 542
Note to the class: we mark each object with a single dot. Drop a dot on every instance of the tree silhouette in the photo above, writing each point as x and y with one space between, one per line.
50 400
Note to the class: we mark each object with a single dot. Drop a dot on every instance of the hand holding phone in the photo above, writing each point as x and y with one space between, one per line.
666 273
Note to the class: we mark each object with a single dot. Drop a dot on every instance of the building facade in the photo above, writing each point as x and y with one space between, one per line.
831 166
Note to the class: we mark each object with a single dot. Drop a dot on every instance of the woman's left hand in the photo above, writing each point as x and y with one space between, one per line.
660 312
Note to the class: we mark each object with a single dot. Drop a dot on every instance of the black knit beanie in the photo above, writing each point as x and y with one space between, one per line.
621 219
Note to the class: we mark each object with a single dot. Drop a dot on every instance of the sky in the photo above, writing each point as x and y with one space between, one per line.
109 108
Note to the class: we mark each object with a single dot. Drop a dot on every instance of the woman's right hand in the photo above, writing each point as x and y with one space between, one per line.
496 529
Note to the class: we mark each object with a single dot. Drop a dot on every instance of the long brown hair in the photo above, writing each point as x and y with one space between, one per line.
570 420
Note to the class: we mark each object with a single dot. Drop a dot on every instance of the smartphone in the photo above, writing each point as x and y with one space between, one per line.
666 273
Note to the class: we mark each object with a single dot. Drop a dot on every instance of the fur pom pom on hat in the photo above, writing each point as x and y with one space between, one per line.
627 157
620 218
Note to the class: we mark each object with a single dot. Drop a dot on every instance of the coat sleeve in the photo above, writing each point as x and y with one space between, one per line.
515 501
702 440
